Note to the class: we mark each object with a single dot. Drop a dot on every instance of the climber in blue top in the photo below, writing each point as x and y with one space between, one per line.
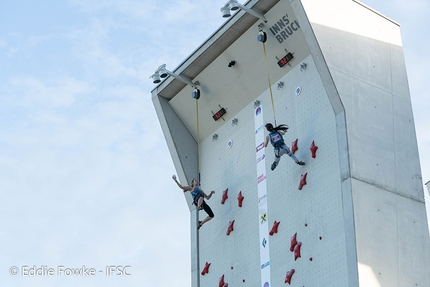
276 139
198 196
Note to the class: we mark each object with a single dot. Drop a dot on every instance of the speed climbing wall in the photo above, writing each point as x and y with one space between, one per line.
310 210
353 215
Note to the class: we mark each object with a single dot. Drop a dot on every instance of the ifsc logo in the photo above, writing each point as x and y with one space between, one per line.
266 284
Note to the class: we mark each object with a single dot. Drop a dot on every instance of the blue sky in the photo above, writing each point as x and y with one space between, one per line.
84 168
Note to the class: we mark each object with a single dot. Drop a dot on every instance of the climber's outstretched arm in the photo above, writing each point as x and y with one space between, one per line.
183 187
208 196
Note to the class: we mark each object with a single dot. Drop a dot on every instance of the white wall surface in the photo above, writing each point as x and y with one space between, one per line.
314 212
363 51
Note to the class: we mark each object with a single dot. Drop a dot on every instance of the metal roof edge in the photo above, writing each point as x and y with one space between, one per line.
213 46
376 12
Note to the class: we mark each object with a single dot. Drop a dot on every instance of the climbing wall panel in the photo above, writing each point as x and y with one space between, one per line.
229 162
314 212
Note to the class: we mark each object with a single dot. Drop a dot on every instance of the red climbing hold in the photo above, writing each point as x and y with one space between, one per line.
297 251
293 242
274 228
221 282
224 196
289 275
294 146
206 268
230 227
313 149
240 199
302 181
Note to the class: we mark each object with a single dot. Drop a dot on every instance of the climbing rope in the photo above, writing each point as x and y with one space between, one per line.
268 80
198 138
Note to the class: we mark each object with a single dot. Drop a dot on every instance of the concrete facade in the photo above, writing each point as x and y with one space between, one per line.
428 187
363 51
360 218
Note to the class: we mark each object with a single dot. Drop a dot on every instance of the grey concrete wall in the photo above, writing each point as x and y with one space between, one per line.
428 187
361 217
364 53
182 145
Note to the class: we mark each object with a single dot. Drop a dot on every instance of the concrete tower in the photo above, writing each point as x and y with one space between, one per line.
334 71
428 186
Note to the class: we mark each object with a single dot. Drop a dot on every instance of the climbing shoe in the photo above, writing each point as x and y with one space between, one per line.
274 164
300 162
